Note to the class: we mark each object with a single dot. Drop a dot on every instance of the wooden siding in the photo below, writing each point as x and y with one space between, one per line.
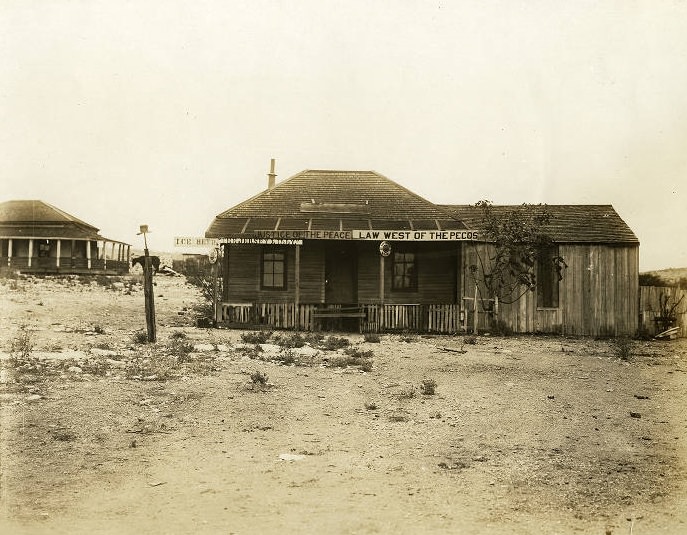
242 273
436 265
598 295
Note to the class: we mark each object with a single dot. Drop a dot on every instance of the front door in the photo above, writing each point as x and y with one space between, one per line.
341 284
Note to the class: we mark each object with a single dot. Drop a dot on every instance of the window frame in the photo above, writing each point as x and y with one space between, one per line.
413 277
548 299
267 250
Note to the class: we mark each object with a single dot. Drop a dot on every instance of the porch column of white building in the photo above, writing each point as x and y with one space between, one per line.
88 254
9 252
30 251
58 253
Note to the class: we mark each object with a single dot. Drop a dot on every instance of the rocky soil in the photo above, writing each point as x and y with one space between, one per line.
225 431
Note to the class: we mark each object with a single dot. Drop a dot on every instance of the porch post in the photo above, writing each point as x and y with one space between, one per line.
297 288
9 252
73 250
104 254
475 318
381 291
88 253
59 252
30 251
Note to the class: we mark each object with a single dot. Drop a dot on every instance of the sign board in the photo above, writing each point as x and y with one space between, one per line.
262 241
371 235
191 241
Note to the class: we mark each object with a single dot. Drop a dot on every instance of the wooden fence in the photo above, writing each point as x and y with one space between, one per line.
661 307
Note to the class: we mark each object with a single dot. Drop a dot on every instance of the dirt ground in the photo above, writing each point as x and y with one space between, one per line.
203 432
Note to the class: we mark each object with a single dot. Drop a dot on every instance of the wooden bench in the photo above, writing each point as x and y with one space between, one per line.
336 313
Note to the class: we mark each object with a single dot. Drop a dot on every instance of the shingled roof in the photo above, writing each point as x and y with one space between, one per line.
569 223
333 200
38 219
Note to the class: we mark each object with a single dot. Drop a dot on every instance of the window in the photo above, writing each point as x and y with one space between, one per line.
405 272
548 278
273 269
43 248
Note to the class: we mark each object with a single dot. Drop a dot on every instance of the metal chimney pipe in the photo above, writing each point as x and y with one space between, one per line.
271 176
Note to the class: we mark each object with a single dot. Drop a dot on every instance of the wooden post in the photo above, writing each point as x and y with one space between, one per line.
475 309
30 250
496 310
215 297
9 253
297 288
88 253
381 292
148 289
59 252
149 297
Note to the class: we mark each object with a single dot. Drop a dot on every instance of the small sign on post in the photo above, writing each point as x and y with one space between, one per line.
148 288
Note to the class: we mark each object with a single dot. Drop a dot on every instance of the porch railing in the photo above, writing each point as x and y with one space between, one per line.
371 318
67 264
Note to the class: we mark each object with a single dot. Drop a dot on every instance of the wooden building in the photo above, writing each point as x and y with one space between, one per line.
36 237
353 249
598 294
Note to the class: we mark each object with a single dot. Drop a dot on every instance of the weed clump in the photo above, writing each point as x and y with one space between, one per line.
259 378
256 337
289 341
372 338
470 340
428 387
22 345
623 348
332 343
140 337
353 357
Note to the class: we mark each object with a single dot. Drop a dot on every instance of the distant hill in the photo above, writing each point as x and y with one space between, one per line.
664 277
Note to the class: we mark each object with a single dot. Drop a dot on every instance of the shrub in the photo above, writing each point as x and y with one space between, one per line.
105 281
470 340
370 406
286 357
140 337
353 357
152 368
97 329
291 340
181 349
408 339
623 348
332 343
501 328
258 378
428 387
256 337
23 344
407 393
372 338
178 335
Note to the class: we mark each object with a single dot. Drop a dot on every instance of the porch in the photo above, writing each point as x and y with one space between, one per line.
66 256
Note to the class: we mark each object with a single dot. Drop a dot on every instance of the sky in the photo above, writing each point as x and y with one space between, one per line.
167 112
